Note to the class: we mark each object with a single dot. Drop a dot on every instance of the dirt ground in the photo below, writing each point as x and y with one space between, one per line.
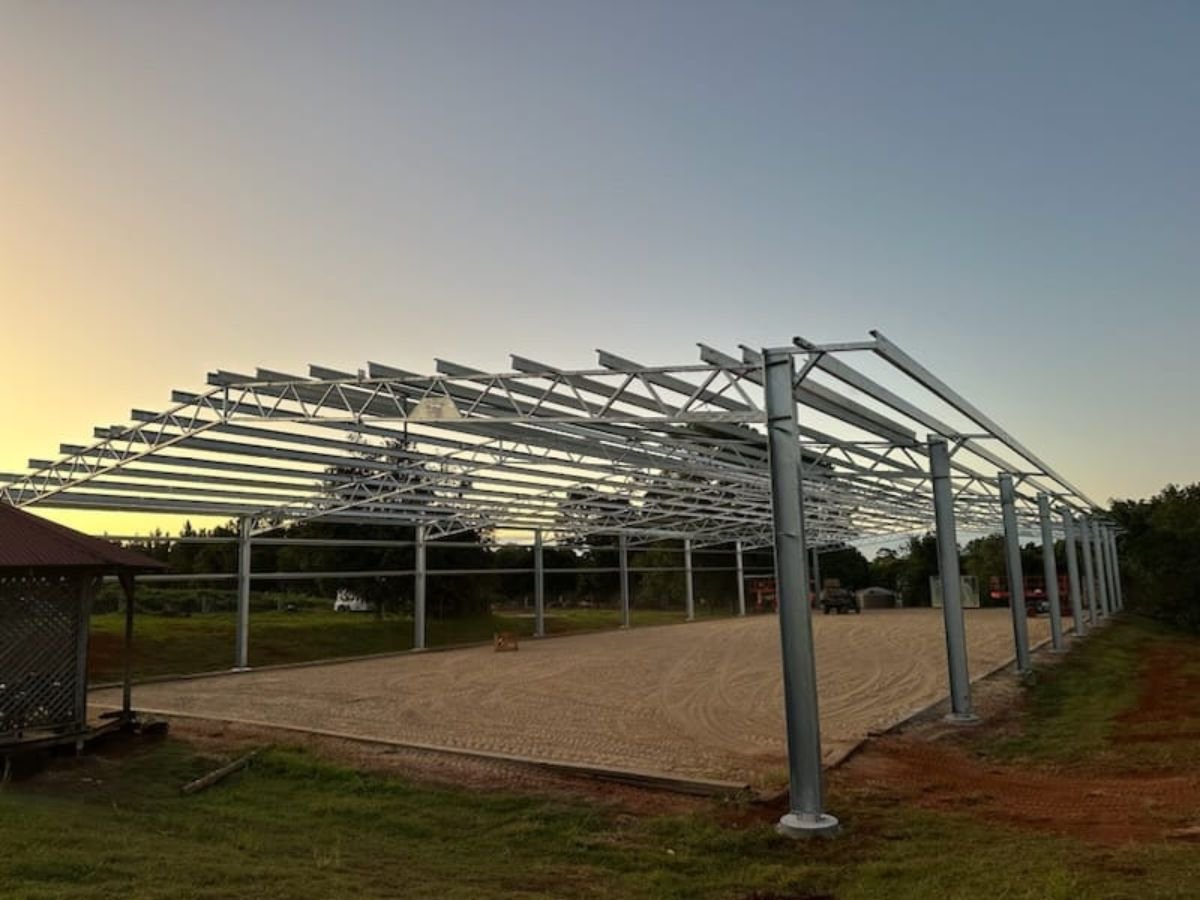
934 766
1107 809
697 700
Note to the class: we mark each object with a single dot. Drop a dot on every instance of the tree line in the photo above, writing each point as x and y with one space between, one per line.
1160 554
575 573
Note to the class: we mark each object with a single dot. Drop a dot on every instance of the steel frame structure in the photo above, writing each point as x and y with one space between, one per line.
796 448
648 451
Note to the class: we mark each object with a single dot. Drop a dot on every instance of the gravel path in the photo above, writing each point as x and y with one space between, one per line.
701 700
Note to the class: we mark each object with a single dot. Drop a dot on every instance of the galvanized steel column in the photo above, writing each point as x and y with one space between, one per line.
419 589
1089 569
1117 572
539 587
948 570
242 649
623 544
1050 570
807 815
741 579
690 586
1068 521
1105 568
1106 538
1016 578
1101 569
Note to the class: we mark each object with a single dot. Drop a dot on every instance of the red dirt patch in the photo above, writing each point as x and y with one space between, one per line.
1169 706
932 766
1105 810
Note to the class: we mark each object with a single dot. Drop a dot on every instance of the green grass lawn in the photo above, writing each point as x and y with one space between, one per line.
204 642
115 825
1083 711
293 827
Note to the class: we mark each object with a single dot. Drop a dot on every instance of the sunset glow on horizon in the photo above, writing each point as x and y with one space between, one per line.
185 188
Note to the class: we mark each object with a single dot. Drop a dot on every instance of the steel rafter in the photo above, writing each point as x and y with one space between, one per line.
647 451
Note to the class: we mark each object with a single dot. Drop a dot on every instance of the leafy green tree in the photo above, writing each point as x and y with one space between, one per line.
920 565
515 588
562 583
1160 554
848 566
984 558
886 569
907 570
663 589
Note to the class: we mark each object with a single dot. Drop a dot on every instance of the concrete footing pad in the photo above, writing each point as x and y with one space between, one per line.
802 825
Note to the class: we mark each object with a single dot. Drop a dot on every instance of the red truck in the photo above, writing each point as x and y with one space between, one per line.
766 598
1036 601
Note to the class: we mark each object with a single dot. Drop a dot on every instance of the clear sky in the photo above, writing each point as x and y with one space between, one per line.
1008 190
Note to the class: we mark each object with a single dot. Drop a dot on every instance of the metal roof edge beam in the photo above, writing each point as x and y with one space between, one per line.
830 402
855 379
914 370
878 392
714 356
824 400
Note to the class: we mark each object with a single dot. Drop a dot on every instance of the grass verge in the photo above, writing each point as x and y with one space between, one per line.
1128 698
294 827
204 642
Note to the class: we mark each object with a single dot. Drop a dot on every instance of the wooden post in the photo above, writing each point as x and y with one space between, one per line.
127 681
87 588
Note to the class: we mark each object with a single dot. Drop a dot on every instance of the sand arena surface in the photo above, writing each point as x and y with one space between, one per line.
703 699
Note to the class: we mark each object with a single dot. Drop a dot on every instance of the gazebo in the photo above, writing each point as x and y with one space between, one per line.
48 577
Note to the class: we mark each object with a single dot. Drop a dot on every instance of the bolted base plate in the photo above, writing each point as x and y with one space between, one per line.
797 825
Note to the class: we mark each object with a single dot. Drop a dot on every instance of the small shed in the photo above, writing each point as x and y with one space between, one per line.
48 577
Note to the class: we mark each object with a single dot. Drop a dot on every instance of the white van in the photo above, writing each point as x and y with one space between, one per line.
348 601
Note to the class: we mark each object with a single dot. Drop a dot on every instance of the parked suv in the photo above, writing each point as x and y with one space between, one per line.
834 597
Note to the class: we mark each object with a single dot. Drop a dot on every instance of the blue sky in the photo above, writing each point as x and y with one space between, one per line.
1009 190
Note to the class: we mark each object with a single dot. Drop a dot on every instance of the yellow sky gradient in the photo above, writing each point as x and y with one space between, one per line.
186 187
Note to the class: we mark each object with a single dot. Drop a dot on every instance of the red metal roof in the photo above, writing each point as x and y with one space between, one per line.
31 542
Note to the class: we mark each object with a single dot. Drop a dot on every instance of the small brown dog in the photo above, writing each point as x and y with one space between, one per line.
506 640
